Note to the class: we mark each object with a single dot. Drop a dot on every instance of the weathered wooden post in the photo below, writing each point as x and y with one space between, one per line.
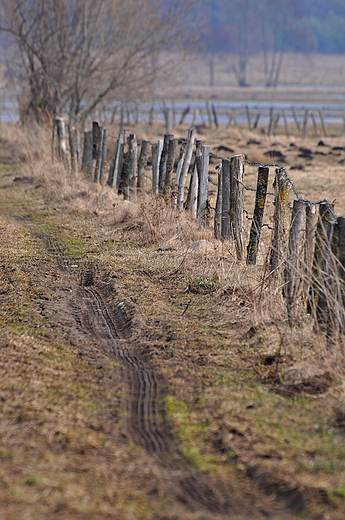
281 222
104 155
237 203
218 211
195 116
87 153
314 123
194 192
209 114
203 187
61 140
185 167
275 124
215 117
99 155
170 163
225 213
73 148
323 125
142 164
178 173
286 124
156 158
184 114
260 200
305 124
117 162
256 122
163 162
248 118
310 231
133 162
95 139
293 273
298 126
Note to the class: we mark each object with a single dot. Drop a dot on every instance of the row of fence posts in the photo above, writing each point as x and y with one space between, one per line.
275 116
314 273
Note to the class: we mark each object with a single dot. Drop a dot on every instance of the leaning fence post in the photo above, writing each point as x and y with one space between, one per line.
237 203
142 163
218 211
194 192
225 212
260 200
281 218
203 187
323 125
292 270
185 167
248 118
298 126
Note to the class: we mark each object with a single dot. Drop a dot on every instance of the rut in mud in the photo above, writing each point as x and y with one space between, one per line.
102 317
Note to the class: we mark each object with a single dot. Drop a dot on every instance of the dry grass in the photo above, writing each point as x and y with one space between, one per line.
237 374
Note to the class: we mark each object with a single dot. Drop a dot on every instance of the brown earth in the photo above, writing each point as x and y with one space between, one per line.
139 377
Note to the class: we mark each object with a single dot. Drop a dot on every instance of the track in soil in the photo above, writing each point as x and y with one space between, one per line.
146 417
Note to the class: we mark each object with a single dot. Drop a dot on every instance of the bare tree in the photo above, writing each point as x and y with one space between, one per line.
73 54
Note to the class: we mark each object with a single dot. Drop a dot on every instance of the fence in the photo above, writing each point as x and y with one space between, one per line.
307 251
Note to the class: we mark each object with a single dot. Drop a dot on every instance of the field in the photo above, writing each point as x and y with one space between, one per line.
142 378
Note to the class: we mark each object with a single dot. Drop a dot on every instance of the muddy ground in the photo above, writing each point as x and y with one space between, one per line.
142 378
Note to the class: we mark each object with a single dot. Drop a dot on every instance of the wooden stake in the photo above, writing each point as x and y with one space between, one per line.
104 155
298 126
225 212
218 211
185 167
305 124
248 118
116 163
237 203
142 164
255 231
163 162
282 215
133 164
99 154
203 187
323 125
170 163
293 264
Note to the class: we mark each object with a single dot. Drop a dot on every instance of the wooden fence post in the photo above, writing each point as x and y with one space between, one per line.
99 154
323 125
305 124
260 200
61 139
170 163
156 156
104 155
248 118
310 231
184 114
163 162
185 167
73 148
194 192
117 162
209 114
178 173
133 163
271 121
237 203
87 153
281 222
203 187
215 117
218 211
286 124
142 164
298 126
225 212
293 273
